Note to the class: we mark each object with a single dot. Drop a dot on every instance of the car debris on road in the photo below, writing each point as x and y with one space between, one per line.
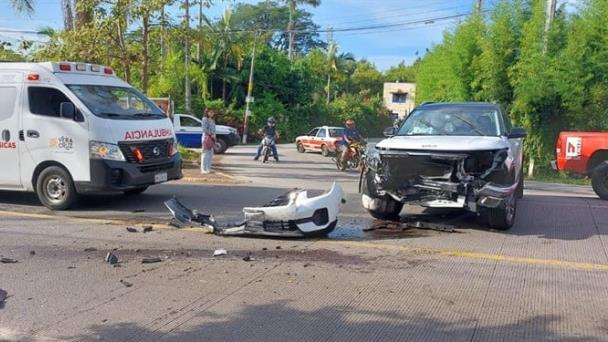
8 260
151 260
220 252
3 295
293 215
111 258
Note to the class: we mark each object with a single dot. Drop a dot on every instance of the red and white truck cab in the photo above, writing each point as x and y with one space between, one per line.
584 153
68 128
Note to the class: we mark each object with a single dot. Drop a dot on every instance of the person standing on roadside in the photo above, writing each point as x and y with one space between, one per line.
209 137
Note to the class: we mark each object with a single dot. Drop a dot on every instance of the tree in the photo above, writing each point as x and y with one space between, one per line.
292 4
335 63
269 15
400 73
23 6
228 46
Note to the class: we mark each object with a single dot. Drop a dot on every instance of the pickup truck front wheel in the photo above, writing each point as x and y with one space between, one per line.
599 180
503 217
383 208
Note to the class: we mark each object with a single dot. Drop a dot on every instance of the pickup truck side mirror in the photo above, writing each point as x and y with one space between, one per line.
517 133
389 131
67 110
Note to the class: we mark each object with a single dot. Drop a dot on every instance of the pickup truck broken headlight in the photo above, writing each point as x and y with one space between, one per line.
373 160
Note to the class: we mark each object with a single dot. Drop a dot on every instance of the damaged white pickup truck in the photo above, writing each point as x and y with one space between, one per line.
449 155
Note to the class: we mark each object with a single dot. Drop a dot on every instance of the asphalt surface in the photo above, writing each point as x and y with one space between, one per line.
546 279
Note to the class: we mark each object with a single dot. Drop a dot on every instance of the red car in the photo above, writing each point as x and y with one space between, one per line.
585 153
321 139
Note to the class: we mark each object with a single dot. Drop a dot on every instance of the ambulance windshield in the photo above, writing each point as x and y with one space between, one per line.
116 102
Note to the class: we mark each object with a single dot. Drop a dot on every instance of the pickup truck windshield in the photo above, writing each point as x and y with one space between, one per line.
116 102
463 121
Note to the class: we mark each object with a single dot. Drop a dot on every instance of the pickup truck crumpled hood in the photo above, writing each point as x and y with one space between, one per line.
442 143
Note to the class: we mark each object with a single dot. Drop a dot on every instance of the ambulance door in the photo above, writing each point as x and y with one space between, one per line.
10 176
50 137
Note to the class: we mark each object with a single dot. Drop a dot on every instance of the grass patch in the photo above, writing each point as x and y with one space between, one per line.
560 177
187 154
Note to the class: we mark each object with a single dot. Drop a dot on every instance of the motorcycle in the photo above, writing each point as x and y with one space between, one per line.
354 158
267 143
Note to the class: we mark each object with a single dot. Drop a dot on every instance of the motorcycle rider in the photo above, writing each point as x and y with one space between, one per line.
350 135
269 131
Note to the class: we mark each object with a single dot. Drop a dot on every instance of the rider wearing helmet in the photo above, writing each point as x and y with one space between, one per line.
350 135
271 132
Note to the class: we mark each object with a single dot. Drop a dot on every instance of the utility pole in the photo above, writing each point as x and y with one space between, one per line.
550 10
478 6
162 37
200 27
292 9
188 89
249 98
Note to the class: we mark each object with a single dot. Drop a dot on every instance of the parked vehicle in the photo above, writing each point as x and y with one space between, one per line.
584 153
448 155
320 139
189 132
72 128
355 153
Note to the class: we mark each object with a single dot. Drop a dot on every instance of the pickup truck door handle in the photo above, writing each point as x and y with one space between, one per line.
33 134
182 129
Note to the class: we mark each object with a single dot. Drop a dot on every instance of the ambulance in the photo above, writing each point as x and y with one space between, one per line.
74 128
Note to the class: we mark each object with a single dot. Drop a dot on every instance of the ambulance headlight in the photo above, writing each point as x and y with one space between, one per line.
101 150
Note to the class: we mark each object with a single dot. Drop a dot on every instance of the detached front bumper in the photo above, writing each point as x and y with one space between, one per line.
291 215
110 175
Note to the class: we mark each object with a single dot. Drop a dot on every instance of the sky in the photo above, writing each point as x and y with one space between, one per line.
417 24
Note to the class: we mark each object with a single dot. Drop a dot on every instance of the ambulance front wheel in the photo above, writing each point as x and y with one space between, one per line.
55 188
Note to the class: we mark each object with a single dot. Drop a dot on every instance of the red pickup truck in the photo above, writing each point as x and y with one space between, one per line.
585 153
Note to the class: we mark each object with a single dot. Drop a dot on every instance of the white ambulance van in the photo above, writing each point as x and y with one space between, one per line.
71 128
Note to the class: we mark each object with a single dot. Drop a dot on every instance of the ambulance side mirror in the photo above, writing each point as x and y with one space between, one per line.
67 110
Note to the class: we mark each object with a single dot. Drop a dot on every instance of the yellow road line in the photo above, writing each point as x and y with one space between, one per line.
117 222
388 247
475 255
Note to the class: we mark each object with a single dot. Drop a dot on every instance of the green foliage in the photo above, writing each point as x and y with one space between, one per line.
401 73
548 83
145 46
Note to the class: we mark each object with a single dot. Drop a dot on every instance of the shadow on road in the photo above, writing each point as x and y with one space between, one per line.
281 322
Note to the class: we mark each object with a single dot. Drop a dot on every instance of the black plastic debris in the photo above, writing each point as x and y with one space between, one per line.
126 283
148 229
432 226
277 247
32 252
132 230
90 249
8 260
248 258
3 295
111 258
150 260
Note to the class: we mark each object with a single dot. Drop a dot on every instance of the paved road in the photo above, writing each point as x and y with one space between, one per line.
544 280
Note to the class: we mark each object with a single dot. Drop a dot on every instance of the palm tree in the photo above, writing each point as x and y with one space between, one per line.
290 25
227 46
335 63
23 6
